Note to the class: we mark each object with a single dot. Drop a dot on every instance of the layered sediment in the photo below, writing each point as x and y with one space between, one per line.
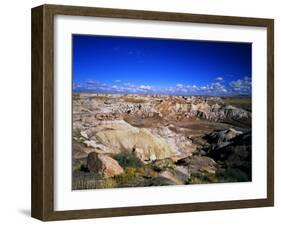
159 140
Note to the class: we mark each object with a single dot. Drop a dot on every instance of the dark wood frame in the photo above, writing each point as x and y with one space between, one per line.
42 203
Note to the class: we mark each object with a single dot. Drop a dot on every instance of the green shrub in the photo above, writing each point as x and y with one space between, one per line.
128 159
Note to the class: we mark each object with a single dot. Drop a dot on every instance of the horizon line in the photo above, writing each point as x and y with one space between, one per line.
164 94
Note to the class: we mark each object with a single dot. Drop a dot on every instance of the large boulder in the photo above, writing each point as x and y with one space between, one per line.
103 165
176 175
170 175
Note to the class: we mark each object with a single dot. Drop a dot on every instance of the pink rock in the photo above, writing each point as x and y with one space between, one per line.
104 165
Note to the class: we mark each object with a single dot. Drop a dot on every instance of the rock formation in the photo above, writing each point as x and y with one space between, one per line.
103 165
148 140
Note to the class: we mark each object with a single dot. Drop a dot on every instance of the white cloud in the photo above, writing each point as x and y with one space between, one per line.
219 78
241 86
117 80
215 89
237 87
145 87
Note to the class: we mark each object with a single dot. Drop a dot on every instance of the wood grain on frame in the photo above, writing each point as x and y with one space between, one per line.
42 203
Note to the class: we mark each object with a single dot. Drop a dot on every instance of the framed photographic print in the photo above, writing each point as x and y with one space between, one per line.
141 112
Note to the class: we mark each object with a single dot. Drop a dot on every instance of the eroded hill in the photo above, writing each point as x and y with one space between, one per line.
149 140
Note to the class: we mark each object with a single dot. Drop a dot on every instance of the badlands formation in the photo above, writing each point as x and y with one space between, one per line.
127 140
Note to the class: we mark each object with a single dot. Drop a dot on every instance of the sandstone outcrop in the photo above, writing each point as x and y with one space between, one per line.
140 141
118 136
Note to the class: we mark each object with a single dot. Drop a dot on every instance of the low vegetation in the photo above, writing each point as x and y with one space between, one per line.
240 102
128 159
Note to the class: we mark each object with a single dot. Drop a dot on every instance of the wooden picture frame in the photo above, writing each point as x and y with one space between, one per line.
42 203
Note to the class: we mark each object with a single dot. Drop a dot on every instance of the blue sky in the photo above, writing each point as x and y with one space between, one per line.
111 64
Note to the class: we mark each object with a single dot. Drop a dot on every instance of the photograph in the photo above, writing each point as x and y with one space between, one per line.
152 111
